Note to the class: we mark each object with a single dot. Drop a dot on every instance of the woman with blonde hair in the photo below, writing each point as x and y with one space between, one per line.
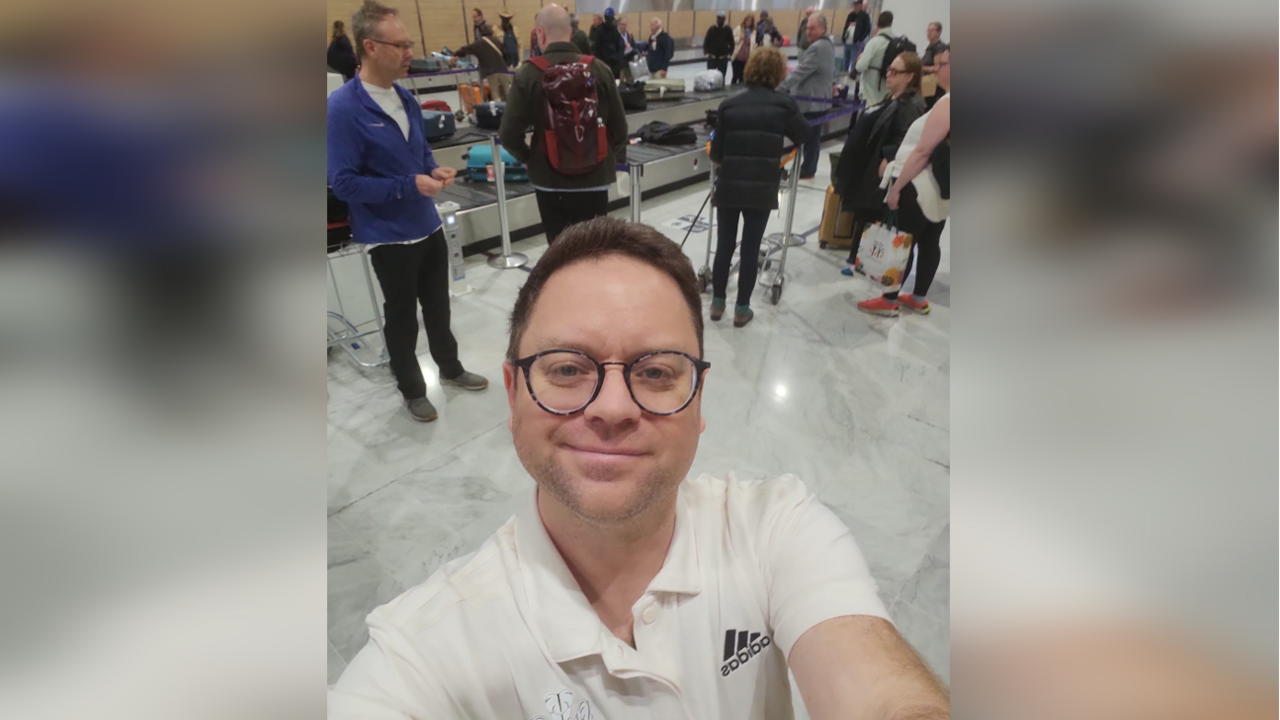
744 41
747 147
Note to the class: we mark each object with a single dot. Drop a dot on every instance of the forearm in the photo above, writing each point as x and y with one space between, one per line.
350 187
915 164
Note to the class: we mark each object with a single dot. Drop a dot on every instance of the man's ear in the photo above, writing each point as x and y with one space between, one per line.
509 376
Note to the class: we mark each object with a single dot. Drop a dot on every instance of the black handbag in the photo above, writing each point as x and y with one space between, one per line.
633 96
660 133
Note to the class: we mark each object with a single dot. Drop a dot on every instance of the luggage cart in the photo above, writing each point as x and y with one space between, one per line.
346 335
770 276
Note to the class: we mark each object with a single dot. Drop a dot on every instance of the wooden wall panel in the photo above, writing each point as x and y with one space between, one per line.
445 23
680 25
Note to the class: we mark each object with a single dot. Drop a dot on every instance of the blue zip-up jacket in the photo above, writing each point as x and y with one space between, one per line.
372 167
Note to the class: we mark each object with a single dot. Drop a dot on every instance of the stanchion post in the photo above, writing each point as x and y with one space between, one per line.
711 217
634 170
508 259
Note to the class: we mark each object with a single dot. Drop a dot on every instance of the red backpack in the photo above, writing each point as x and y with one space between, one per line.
575 138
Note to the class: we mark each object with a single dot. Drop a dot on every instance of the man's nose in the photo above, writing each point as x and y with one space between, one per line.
614 403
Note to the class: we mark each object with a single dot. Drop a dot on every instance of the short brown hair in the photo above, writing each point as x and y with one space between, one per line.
599 238
911 63
365 20
765 67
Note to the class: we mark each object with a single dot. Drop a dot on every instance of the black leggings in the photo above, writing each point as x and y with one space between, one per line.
926 239
739 67
753 224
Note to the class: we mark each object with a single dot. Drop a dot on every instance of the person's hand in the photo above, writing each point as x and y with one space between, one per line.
428 185
892 200
446 175
883 164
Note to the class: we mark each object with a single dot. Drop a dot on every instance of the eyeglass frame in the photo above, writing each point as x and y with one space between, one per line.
700 367
402 47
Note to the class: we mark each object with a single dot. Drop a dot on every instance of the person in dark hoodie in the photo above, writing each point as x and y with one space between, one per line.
341 55
609 45
871 145
767 35
718 45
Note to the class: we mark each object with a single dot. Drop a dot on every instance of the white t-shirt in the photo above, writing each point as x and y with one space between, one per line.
389 100
928 193
506 633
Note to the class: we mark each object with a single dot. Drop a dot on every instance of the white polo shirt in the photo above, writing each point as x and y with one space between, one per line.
506 634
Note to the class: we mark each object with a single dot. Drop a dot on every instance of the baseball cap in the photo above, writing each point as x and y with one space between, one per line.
608 12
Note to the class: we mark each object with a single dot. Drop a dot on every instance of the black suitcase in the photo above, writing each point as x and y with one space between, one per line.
438 124
424 65
489 115
633 97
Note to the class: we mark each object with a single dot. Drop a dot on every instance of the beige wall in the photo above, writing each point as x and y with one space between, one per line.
645 18
680 25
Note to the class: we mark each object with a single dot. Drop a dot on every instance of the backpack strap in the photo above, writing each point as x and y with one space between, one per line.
587 59
540 62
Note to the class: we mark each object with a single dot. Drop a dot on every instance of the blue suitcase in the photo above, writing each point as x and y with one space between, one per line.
438 124
479 157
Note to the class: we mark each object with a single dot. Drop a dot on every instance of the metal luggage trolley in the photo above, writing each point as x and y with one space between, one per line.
779 242
347 336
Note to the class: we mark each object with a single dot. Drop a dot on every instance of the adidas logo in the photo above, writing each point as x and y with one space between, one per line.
739 647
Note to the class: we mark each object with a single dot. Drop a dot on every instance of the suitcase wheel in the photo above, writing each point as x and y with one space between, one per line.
822 244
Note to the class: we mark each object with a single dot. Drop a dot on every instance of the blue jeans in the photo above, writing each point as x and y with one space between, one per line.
851 51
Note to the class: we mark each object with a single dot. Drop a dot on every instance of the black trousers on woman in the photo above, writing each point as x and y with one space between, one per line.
753 224
926 240
739 67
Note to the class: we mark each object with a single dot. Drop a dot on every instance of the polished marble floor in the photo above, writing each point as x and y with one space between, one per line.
856 405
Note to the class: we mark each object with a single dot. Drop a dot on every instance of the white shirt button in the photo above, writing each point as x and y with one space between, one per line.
650 614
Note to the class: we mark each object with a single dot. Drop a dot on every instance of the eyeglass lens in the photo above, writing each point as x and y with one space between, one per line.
565 381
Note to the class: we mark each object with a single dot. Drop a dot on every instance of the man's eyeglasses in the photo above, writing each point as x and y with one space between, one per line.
406 45
564 382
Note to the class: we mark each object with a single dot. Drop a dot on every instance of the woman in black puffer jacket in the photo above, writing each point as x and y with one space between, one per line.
747 148
872 142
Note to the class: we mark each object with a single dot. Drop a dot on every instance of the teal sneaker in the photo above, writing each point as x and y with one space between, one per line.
717 308
742 315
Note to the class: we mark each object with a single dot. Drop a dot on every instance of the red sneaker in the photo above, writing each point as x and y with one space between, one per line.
920 305
880 306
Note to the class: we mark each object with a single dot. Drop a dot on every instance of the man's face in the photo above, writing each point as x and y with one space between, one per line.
389 60
611 461
813 29
933 34
622 25
475 17
653 26
596 21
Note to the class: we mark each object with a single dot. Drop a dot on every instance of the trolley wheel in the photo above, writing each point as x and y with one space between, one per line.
768 263
822 244
775 292
704 281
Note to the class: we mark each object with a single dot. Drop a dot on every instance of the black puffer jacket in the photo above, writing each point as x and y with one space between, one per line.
874 136
719 42
748 146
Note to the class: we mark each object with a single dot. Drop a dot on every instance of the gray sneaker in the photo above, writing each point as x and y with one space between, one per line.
422 410
466 381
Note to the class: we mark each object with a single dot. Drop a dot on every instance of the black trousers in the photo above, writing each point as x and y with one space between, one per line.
739 67
812 148
753 224
559 210
721 64
409 275
926 241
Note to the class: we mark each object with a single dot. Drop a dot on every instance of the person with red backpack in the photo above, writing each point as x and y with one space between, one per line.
579 126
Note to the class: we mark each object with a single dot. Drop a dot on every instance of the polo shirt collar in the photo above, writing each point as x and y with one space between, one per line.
559 612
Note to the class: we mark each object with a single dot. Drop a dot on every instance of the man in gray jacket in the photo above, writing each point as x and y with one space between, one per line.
813 77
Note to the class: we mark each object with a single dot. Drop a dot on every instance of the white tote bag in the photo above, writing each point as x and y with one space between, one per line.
884 252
